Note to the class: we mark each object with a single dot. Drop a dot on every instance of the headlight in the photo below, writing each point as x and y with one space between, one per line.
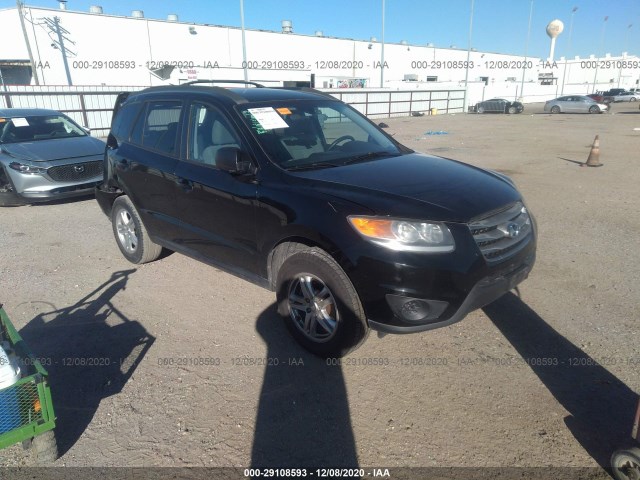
405 235
27 169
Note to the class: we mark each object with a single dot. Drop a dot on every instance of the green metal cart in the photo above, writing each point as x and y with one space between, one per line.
26 410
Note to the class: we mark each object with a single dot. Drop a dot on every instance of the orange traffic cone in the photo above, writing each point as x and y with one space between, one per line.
594 154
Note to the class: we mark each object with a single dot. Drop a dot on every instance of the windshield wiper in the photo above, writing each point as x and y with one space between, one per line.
312 166
369 156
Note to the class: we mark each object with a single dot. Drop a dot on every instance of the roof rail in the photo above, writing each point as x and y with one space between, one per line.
311 90
193 82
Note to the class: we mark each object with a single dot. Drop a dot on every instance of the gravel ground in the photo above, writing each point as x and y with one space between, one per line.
546 376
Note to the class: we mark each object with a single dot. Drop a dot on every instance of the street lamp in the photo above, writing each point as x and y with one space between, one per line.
604 26
526 49
466 75
569 50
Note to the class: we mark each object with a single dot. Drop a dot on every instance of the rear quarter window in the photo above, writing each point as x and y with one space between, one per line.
124 120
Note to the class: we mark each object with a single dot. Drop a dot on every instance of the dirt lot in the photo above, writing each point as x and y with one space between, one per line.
547 378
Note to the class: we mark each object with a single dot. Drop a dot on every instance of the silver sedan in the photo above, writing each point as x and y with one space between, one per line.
627 97
575 104
44 155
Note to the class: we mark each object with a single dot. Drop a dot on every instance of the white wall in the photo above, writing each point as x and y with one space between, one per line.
100 40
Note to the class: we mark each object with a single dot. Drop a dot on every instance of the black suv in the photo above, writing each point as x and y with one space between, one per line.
298 192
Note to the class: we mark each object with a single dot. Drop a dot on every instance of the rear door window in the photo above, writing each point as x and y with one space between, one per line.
157 128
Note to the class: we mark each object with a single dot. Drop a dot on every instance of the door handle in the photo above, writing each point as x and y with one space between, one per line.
186 185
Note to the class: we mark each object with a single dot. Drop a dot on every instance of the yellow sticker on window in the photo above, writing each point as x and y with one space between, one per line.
283 111
3 120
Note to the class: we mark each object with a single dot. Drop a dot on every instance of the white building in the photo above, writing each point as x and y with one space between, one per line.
103 49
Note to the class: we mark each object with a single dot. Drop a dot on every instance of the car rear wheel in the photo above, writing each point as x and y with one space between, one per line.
131 236
555 109
632 99
480 109
594 109
319 304
513 110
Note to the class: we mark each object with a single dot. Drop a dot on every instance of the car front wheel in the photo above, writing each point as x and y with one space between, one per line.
555 109
319 304
513 110
626 464
131 236
480 109
594 109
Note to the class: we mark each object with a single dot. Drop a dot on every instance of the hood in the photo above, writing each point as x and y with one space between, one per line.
417 186
55 149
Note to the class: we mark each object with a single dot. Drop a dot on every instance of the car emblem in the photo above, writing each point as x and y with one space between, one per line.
78 168
513 230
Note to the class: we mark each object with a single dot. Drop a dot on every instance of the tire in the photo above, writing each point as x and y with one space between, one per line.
513 110
131 236
44 449
594 109
555 109
480 109
319 304
625 464
632 99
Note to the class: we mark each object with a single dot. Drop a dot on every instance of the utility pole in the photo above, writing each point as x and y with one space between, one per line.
34 72
56 22
244 44
382 51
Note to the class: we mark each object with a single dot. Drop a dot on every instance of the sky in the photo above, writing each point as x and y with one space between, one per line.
498 25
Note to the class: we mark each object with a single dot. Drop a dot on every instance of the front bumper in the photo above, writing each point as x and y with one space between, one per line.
59 192
483 293
451 285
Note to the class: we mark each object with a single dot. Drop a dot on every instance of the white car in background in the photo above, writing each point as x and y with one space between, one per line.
627 97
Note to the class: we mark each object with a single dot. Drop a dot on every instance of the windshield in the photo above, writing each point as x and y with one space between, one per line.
315 133
41 127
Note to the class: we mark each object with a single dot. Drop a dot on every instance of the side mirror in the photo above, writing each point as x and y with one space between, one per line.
233 160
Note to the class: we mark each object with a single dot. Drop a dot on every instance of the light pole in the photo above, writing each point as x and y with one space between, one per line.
626 45
466 74
382 51
569 50
604 26
526 49
244 45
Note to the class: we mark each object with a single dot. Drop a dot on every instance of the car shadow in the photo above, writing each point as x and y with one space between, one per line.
303 416
601 407
90 349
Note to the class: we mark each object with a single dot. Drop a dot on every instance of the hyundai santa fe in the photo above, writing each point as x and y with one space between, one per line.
300 193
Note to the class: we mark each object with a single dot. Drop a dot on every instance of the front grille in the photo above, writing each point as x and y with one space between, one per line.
503 233
75 171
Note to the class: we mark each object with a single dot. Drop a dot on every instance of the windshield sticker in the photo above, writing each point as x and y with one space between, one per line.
283 111
268 118
3 120
20 122
254 123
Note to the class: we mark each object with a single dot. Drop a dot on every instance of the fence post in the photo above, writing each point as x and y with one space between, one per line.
84 111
